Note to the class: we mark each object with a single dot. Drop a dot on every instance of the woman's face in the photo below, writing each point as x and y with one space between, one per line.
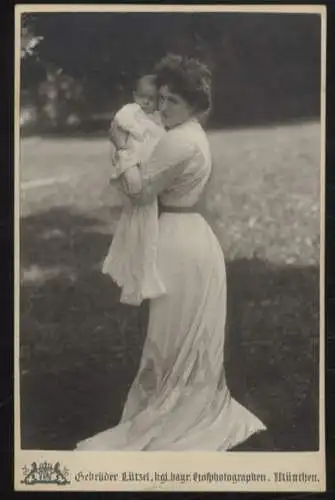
174 109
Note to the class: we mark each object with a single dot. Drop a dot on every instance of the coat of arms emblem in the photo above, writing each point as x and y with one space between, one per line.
45 473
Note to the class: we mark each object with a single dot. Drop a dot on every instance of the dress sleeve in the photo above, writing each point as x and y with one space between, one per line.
164 165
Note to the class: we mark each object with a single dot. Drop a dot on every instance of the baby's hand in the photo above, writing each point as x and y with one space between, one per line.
114 155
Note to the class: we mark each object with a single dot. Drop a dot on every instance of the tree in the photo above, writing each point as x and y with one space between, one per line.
265 67
29 41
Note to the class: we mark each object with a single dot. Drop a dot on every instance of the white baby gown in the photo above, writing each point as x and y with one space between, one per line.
179 400
132 257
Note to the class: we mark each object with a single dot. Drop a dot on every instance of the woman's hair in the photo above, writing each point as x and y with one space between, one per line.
187 77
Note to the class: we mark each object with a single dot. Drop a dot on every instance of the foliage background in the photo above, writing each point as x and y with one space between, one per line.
266 67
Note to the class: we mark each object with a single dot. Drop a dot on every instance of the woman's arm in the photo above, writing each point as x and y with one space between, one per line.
131 180
165 164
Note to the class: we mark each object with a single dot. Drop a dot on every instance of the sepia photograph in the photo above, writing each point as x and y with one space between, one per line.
169 215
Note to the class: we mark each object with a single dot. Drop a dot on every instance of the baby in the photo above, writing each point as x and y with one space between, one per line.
134 133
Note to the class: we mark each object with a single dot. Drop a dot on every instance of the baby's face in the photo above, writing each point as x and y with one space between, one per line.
146 96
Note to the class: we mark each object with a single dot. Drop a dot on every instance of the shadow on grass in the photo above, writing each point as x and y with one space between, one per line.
80 347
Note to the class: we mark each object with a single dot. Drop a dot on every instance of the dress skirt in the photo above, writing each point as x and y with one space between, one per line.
179 400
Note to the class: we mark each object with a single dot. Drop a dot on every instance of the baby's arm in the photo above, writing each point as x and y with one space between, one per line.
119 146
125 128
117 135
124 161
129 118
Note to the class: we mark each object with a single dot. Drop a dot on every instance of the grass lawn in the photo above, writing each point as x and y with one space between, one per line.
80 348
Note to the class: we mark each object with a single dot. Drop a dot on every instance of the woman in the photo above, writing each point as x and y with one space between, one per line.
179 400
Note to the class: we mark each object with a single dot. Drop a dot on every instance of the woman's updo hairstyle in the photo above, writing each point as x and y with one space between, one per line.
187 77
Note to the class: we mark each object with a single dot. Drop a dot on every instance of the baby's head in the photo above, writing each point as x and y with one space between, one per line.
146 93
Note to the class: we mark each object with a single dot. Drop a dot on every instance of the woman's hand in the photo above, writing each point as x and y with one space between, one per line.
129 183
132 180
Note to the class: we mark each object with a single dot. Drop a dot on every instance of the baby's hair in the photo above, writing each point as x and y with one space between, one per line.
150 79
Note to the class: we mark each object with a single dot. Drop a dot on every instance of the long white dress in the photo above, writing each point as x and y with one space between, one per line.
179 400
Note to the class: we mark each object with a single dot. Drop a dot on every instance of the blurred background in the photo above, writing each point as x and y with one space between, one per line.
80 347
85 64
